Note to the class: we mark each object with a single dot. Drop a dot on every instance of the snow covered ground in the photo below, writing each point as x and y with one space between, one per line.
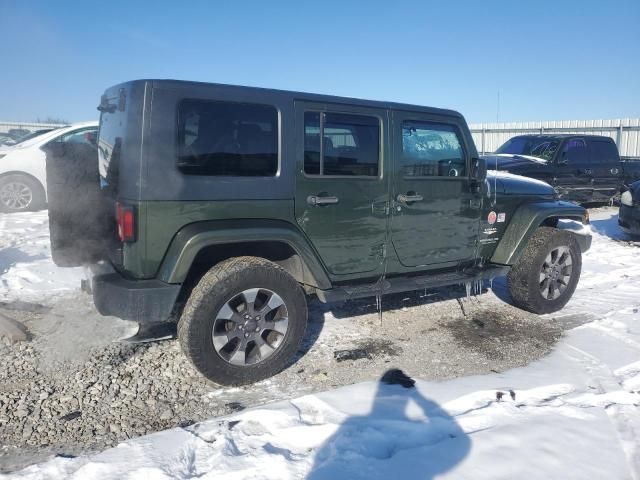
574 413
26 270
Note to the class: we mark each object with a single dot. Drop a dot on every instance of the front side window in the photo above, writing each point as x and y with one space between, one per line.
431 150
227 139
350 144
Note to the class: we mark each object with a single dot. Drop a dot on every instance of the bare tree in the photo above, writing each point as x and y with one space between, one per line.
50 119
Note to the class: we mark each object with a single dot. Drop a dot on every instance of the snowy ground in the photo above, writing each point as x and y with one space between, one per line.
575 413
26 270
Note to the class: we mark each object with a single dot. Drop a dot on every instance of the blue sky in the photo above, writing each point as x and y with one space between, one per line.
571 59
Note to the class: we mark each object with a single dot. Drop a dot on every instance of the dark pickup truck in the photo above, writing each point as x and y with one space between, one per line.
582 168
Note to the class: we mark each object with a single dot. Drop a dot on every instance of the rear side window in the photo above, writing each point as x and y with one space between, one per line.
575 151
88 136
227 139
431 150
604 152
350 144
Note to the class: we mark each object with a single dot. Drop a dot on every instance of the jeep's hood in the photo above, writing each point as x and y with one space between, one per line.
512 162
509 184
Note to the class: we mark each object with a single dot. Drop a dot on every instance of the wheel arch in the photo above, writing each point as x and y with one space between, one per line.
199 246
24 174
31 177
527 219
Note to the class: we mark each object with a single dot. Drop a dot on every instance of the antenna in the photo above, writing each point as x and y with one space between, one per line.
498 108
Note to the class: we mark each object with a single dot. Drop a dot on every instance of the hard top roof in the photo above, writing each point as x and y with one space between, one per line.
303 96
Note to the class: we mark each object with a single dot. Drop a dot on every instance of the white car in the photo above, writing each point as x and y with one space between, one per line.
23 167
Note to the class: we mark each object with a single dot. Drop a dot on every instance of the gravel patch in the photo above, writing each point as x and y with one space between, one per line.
74 388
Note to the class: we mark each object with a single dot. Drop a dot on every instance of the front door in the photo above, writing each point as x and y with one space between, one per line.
341 187
436 212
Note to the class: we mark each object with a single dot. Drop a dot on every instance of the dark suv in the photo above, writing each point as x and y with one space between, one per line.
226 206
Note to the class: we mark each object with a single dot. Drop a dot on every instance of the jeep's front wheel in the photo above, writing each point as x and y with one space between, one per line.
243 322
546 275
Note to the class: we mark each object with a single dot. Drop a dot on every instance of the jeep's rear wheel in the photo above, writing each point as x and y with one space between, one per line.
243 322
546 275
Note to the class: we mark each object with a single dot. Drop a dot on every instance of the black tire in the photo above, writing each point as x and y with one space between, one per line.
213 291
78 218
29 185
524 278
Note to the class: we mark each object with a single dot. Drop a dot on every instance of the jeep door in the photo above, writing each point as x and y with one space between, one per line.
437 204
341 189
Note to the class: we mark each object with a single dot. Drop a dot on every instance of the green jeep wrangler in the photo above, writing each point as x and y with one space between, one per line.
226 206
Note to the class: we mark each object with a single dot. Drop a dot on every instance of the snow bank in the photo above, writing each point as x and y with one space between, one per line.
26 269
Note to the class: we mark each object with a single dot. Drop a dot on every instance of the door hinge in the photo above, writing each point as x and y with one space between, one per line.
475 203
379 251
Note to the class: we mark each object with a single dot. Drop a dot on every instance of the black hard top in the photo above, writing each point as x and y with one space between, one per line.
303 96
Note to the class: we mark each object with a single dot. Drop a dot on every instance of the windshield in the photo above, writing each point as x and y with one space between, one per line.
31 135
544 148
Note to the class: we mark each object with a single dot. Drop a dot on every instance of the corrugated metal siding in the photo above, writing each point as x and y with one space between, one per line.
489 136
6 126
624 131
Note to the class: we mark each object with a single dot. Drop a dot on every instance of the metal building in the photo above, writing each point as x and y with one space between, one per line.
31 126
489 136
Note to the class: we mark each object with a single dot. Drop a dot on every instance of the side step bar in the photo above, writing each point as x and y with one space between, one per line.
407 284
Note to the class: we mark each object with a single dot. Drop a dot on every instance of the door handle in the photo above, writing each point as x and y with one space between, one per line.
320 201
410 197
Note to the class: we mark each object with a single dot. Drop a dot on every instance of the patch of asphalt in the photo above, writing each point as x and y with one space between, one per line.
74 388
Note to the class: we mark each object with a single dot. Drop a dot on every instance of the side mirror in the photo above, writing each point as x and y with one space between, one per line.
478 168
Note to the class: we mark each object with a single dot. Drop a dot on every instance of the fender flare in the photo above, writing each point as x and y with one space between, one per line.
191 239
526 219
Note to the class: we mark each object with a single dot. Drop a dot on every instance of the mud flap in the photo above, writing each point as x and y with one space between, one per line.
153 332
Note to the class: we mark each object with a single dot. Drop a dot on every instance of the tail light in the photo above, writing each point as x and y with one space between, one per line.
126 220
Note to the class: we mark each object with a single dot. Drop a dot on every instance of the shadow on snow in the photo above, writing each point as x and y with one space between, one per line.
405 435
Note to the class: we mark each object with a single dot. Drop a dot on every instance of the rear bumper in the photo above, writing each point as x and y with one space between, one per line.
629 219
142 301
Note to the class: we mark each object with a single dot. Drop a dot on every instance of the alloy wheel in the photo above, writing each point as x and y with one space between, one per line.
555 273
16 195
250 327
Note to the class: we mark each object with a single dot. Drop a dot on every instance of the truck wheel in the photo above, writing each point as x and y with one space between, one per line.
243 322
546 275
20 193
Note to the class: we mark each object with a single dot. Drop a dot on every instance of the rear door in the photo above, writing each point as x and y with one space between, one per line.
341 187
436 213
574 172
605 164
